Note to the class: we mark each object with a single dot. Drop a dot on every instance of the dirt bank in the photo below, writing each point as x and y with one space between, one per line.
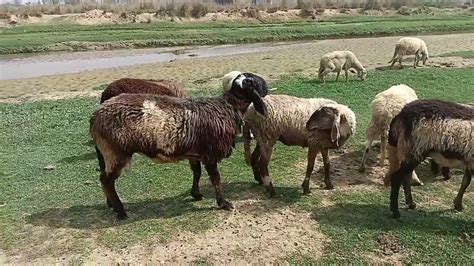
201 73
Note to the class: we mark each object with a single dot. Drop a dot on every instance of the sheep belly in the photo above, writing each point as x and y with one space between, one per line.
447 162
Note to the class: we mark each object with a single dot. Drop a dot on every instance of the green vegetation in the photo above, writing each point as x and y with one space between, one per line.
463 54
62 211
65 37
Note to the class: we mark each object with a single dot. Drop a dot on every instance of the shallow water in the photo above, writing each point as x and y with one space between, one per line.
35 65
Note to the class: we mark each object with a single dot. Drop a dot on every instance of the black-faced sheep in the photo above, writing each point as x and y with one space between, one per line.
440 129
168 129
410 46
340 60
139 86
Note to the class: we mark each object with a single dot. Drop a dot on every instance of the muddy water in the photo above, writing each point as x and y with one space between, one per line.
29 66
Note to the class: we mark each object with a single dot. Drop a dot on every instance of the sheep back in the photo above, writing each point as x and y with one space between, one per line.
410 45
385 106
432 127
166 128
286 119
149 86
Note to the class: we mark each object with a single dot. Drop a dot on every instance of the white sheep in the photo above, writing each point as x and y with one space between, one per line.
340 60
440 129
286 121
410 46
385 106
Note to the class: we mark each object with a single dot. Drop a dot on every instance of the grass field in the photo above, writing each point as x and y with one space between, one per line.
463 54
62 211
66 37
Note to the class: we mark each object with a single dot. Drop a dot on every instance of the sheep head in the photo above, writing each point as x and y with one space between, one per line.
252 88
330 118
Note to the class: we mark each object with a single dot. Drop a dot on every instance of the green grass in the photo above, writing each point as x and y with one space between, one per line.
51 213
463 54
60 37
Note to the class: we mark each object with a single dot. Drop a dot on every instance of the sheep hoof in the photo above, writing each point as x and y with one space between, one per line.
458 206
271 191
122 216
225 205
361 169
329 186
395 214
259 180
197 196
411 206
447 177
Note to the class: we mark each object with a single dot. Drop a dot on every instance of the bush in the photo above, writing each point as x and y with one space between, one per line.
372 5
404 10
199 10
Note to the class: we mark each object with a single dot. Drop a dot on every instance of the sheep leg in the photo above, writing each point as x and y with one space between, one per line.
327 166
400 62
396 179
346 72
255 162
108 186
266 155
312 153
383 147
466 180
337 76
365 156
408 196
415 63
214 175
100 158
196 168
434 166
445 173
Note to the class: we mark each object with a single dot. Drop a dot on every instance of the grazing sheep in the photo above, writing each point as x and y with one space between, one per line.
329 128
286 122
149 86
385 106
228 78
410 46
440 129
168 129
340 60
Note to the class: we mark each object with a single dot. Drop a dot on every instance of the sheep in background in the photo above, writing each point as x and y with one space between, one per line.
286 122
329 128
168 129
340 60
410 46
149 86
385 106
440 129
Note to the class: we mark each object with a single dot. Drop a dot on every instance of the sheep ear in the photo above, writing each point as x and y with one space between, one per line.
321 119
258 103
335 131
352 71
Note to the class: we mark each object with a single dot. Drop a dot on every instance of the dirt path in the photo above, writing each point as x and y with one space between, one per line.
199 73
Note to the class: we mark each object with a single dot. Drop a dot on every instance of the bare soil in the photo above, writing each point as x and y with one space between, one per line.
202 73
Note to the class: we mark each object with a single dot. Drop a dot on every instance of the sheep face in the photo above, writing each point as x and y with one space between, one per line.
252 88
362 74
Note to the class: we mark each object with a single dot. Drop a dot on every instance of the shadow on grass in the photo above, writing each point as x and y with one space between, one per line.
352 216
100 216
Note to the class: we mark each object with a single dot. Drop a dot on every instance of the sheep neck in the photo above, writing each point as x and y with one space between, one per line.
241 104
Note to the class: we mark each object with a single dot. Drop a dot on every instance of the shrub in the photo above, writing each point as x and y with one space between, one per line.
372 5
199 10
404 10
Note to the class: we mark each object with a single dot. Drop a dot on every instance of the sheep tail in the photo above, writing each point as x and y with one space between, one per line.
100 158
394 56
247 143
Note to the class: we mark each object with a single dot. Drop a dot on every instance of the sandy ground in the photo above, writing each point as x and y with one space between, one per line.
201 73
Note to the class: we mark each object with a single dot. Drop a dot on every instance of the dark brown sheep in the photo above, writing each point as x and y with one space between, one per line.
168 129
149 86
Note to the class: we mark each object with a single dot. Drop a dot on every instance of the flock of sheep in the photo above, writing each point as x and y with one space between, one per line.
157 118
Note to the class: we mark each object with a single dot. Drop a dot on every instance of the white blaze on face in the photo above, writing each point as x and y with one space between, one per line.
240 79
